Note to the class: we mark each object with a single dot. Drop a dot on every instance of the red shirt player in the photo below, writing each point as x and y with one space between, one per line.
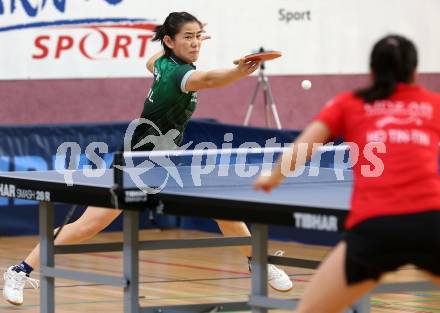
393 129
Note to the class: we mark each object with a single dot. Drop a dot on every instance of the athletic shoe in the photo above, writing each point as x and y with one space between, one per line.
277 278
14 285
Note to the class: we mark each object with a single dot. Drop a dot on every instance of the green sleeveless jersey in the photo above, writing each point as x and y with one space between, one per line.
168 105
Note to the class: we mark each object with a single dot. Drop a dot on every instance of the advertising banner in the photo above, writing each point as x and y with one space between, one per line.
44 39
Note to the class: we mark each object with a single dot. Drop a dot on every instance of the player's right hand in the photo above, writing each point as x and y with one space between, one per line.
247 68
267 181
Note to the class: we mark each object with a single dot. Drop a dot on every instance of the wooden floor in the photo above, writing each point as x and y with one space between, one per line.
170 277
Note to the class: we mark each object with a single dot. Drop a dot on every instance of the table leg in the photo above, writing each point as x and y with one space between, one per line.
259 263
363 305
131 260
47 259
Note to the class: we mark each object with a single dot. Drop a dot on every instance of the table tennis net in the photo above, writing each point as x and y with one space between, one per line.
216 168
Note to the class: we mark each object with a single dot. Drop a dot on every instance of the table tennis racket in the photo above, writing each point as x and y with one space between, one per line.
261 56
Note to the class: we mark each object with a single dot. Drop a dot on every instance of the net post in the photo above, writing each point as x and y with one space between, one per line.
118 183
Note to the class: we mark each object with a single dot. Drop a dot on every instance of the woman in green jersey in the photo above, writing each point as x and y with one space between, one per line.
169 105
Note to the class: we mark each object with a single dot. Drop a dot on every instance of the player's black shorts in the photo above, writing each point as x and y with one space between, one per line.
383 244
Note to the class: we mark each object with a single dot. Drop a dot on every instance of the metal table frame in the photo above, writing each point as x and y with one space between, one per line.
130 248
258 299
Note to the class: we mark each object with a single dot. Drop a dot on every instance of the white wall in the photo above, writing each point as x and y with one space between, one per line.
322 36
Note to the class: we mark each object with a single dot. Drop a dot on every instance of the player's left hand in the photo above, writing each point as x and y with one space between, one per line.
205 37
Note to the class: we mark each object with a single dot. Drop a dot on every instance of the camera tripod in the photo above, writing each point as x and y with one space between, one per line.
269 103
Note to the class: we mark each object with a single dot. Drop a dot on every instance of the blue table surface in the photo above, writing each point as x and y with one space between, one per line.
315 187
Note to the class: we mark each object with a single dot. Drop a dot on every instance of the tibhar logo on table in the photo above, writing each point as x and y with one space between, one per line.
7 190
11 191
316 221
206 157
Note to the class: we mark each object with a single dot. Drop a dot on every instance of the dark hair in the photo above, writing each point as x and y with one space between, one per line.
393 60
172 25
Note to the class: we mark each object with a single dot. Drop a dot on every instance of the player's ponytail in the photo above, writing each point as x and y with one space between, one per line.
172 25
159 33
393 60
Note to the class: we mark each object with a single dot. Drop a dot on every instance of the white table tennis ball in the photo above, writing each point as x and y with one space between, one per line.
306 84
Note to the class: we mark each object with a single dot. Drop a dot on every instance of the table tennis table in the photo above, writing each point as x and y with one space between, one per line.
317 200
